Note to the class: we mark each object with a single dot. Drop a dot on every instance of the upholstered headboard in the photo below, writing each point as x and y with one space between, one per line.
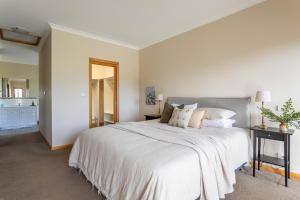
239 105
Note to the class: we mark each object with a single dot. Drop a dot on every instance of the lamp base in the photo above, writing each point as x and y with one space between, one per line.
263 126
158 107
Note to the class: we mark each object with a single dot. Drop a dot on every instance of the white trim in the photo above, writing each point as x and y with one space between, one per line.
44 38
92 36
17 62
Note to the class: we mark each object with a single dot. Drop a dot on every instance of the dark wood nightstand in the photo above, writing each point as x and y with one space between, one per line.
152 116
272 134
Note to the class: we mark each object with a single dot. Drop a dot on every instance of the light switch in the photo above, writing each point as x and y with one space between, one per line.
83 94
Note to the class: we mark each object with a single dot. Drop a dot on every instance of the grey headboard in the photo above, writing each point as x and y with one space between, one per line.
239 105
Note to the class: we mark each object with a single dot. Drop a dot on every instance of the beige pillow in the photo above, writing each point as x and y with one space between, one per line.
181 117
196 118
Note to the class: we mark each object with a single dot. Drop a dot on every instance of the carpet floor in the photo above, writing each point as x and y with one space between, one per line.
29 171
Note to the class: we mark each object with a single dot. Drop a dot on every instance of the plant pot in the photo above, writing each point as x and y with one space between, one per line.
283 127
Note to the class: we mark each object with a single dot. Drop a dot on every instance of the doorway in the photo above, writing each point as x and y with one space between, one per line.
103 92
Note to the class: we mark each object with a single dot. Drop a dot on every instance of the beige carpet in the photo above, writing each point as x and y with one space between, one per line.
29 171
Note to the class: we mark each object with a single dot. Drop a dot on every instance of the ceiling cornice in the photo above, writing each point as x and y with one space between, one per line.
91 35
5 60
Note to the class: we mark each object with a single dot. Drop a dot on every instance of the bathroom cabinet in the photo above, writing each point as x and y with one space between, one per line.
18 117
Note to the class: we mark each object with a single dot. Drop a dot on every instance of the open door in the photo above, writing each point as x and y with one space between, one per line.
103 92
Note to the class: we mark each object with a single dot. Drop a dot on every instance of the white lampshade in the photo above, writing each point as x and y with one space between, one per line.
263 96
159 97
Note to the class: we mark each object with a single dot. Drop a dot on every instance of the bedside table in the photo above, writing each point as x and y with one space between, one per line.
272 134
152 116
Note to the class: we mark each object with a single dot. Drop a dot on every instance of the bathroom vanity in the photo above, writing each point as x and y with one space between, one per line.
13 117
17 108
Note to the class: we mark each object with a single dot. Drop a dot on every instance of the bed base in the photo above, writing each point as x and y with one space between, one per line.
240 168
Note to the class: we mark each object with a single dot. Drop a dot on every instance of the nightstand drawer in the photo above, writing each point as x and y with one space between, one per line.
270 135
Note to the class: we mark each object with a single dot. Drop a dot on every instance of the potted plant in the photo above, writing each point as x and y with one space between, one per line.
289 116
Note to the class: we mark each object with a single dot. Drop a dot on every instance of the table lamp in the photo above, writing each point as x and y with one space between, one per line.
159 98
263 96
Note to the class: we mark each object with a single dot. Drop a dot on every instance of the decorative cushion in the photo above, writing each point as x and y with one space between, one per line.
181 117
180 106
167 112
196 118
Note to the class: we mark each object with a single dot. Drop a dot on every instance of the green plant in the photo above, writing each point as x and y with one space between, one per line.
289 116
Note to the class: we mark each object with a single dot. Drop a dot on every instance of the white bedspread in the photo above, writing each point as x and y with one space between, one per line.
149 160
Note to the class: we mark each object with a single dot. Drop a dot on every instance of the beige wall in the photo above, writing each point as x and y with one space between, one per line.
70 101
258 48
45 107
22 71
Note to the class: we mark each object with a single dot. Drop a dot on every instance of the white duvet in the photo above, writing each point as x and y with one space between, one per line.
153 161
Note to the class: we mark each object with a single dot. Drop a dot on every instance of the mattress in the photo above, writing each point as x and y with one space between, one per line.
151 160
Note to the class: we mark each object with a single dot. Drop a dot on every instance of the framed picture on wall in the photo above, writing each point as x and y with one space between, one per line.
150 95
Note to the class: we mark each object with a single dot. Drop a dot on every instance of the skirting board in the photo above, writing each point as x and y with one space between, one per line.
274 170
53 148
62 147
49 146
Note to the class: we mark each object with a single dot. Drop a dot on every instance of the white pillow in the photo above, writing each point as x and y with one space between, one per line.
218 113
218 123
181 117
191 106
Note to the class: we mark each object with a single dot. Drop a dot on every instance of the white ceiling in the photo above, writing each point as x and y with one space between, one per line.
133 23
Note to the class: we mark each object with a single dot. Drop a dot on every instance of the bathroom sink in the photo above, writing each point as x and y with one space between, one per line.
14 106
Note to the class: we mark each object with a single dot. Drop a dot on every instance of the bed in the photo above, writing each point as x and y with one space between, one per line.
151 160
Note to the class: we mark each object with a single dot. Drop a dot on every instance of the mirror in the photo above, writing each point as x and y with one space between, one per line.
14 88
